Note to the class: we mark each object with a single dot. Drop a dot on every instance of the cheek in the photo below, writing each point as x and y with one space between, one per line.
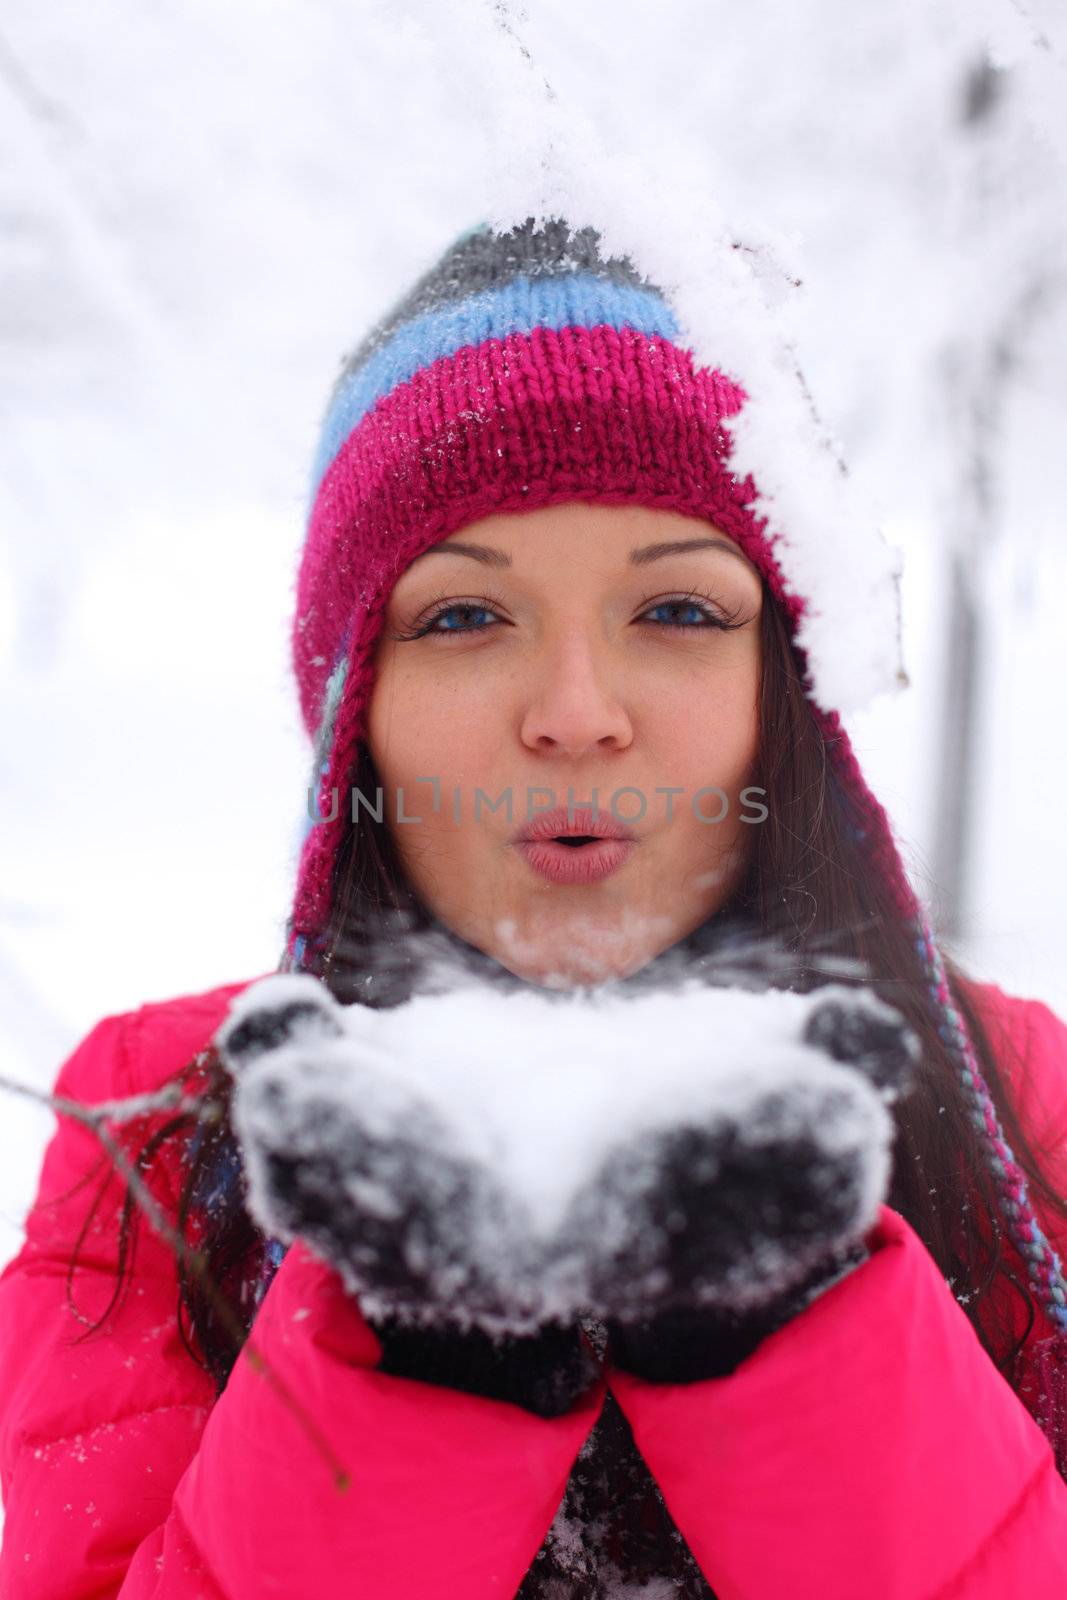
721 737
415 732
395 722
401 742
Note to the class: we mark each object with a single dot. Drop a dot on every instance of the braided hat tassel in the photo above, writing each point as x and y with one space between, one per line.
1044 1268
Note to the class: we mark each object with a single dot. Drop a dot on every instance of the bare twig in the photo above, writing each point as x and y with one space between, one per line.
96 1118
134 1105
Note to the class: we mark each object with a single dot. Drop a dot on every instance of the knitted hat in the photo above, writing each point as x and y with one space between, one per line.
524 369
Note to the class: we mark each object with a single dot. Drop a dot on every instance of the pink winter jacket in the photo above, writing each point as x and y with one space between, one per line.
870 1448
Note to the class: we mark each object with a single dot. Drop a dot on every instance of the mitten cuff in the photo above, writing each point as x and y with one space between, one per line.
544 1372
689 1344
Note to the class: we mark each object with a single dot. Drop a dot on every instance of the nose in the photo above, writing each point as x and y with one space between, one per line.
571 706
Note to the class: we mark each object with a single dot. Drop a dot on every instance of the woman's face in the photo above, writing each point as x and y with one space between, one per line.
579 655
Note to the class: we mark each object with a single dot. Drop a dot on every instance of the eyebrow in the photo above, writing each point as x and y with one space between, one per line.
489 556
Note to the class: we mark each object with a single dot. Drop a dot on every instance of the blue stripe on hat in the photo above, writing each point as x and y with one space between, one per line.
577 300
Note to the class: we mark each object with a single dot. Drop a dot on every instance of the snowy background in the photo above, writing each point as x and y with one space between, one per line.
202 208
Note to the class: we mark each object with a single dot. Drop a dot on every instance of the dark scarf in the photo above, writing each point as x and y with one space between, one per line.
612 1536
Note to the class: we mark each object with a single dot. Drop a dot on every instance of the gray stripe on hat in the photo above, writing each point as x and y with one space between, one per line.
482 260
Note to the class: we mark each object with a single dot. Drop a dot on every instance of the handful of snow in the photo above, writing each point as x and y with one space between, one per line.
539 1089
491 1114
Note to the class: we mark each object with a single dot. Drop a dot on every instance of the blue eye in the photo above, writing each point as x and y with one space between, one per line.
431 627
705 618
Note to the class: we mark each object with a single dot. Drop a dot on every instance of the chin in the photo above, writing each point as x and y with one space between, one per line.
582 949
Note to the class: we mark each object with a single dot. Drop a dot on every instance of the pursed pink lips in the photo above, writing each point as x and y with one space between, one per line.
597 845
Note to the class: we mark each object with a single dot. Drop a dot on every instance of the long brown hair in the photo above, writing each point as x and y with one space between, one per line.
809 883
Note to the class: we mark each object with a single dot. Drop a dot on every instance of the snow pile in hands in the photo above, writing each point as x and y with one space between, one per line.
539 1091
497 1120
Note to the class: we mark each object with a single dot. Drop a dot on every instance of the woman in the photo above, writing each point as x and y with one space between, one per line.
895 1434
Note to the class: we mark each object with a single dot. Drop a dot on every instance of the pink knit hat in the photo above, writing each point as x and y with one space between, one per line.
524 369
